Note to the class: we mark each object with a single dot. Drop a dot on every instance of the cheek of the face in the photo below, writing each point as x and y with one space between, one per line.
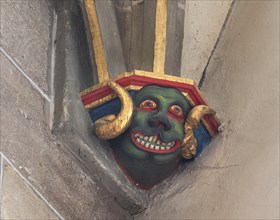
125 140
129 148
140 121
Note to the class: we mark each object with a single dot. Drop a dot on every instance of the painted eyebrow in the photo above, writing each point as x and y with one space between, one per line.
176 102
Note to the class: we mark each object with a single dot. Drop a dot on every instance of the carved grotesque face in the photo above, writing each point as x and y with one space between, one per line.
149 151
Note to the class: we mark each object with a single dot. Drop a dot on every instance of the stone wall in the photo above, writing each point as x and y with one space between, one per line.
34 161
204 22
237 177
45 130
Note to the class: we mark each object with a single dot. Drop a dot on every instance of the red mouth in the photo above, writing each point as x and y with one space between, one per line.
153 143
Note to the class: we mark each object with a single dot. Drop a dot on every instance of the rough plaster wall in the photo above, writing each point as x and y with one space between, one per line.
203 23
237 177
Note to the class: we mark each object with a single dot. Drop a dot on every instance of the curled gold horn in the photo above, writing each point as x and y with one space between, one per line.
112 126
192 122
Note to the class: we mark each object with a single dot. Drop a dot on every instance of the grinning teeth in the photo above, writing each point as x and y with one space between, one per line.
153 142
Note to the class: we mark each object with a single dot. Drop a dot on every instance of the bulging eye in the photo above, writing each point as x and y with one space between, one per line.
148 105
176 111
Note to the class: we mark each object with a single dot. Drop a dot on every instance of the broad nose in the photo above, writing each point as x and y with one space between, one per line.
160 120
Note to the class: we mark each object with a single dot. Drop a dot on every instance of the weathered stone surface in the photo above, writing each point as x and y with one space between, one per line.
237 177
136 23
25 140
174 36
25 35
203 23
110 37
236 174
19 201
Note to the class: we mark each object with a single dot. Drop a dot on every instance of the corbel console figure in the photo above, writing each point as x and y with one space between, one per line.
152 120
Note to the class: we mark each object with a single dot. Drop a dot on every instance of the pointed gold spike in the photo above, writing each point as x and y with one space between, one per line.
96 39
160 36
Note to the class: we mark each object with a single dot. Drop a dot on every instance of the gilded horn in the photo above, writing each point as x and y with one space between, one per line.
192 122
112 126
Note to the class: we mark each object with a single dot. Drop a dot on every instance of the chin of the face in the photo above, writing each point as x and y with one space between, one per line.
145 172
143 168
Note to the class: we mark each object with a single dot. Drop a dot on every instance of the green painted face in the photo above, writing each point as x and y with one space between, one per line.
149 151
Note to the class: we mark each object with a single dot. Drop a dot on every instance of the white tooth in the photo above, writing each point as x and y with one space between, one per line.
155 138
167 148
143 142
169 144
163 144
138 140
162 148
173 142
152 146
141 136
145 138
147 145
136 135
158 142
157 147
151 138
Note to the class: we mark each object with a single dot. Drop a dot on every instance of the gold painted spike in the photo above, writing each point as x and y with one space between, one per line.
96 39
160 36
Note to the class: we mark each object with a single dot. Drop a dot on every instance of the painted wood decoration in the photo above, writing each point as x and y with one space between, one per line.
153 121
